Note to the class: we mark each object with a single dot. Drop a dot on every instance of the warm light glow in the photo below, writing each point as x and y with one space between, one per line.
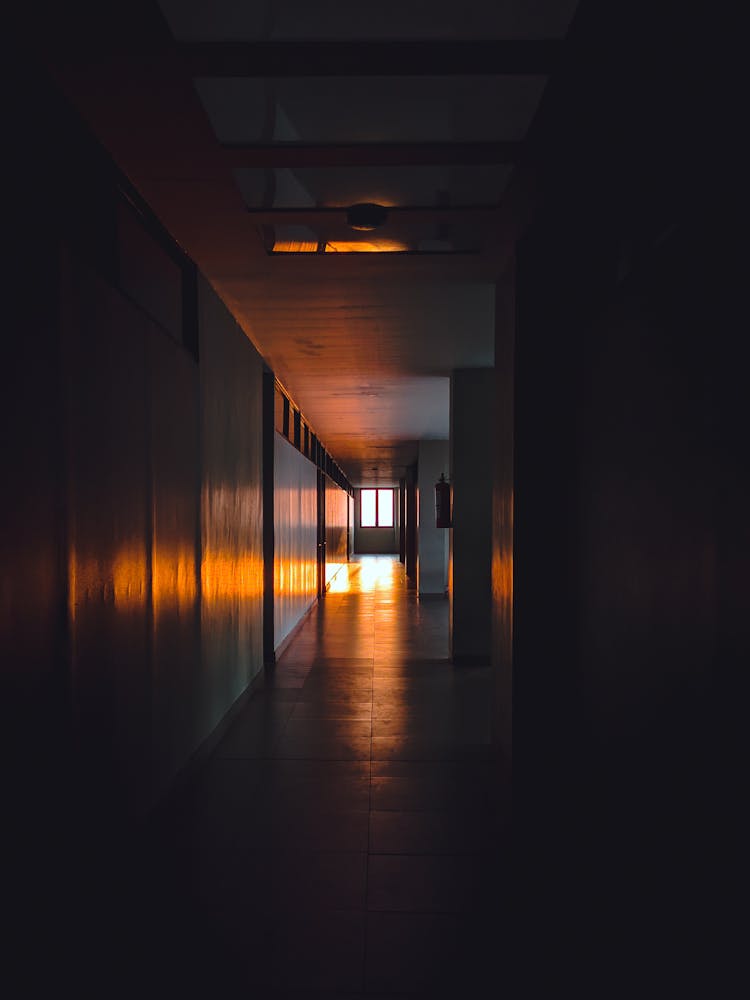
342 581
365 575
295 246
378 245
377 574
502 559
228 575
366 246
120 580
173 578
332 570
297 578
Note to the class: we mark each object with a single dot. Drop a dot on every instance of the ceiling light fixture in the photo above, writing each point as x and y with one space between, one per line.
366 216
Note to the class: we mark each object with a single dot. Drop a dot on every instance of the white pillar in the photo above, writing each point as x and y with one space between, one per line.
432 542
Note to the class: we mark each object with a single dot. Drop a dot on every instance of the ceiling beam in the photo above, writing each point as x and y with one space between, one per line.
393 58
371 154
400 213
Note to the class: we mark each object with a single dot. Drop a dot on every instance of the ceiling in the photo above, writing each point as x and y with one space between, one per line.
251 127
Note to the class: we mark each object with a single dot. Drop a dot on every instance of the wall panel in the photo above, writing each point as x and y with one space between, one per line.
472 408
108 533
173 390
231 511
336 529
295 537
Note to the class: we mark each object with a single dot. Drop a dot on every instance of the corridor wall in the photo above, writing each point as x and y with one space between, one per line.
132 548
231 510
295 509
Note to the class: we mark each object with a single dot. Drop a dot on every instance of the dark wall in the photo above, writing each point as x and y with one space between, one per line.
502 536
131 542
471 454
628 486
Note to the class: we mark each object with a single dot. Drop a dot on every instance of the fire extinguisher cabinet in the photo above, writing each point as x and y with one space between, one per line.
442 503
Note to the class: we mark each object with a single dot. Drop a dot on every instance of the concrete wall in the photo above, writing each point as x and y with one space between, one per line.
471 449
432 542
295 537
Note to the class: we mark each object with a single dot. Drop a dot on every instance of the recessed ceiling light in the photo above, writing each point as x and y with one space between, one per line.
366 216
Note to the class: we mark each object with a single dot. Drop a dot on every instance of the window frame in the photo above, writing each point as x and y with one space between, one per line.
377 525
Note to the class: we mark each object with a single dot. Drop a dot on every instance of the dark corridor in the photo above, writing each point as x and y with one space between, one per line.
340 841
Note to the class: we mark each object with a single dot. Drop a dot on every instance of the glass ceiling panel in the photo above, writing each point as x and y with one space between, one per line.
341 19
371 109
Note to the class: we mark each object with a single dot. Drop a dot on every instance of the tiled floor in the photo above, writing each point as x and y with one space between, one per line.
340 842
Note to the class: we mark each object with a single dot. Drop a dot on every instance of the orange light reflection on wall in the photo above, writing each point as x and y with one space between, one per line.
173 581
295 578
120 580
227 575
123 580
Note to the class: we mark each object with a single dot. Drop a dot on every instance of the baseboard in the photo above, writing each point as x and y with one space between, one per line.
289 639
203 751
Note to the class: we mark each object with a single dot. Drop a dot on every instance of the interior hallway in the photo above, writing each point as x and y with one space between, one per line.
341 837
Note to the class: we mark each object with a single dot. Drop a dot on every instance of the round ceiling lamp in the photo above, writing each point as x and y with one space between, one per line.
366 216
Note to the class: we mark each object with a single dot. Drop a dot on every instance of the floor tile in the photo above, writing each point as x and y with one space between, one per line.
305 828
341 839
340 708
429 792
428 833
322 748
426 883
419 952
298 943
301 729
416 748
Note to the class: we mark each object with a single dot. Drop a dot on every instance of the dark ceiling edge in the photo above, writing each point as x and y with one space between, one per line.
373 253
387 154
404 213
518 57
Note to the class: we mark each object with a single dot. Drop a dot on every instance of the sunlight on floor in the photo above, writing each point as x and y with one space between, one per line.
367 574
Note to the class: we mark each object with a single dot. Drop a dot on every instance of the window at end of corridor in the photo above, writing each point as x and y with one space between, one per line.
376 508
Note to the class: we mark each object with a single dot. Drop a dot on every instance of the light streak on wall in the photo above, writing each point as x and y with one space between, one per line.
295 536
